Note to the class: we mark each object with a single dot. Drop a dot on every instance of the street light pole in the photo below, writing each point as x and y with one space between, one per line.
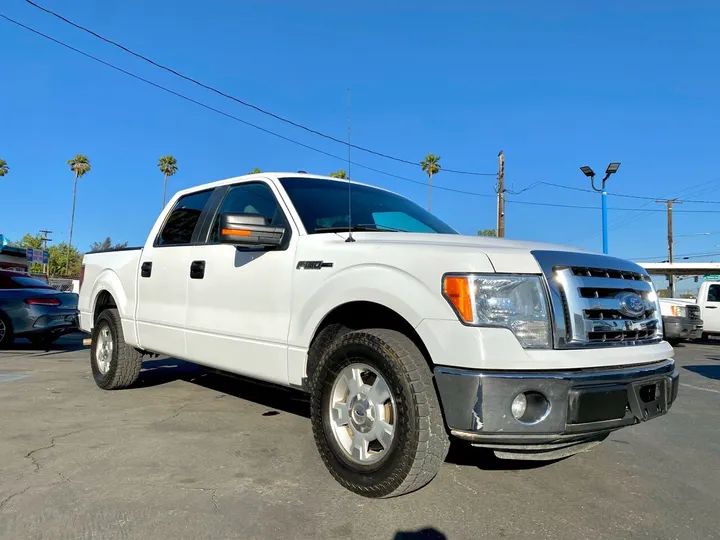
604 220
612 169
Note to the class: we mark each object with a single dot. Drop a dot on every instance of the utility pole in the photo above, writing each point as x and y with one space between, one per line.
45 240
669 203
501 196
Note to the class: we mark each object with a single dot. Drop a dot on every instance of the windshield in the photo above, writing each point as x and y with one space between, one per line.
323 204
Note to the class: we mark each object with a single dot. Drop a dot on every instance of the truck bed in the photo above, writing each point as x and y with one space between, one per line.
117 267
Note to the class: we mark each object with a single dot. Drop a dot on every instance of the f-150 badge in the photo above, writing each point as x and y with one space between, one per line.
313 265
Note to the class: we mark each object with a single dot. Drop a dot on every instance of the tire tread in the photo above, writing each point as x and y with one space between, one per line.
432 439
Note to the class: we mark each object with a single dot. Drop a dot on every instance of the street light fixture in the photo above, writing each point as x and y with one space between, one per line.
611 169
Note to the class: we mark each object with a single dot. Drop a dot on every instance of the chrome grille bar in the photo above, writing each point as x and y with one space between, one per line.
586 295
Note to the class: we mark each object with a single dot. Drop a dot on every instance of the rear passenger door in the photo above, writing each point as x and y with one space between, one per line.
163 276
239 306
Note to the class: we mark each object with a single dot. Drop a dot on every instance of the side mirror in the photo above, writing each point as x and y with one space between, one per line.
248 230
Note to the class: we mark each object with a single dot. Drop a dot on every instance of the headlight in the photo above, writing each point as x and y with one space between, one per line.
514 302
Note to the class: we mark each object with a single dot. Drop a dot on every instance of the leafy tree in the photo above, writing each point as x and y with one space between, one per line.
106 245
431 165
4 169
255 171
64 256
487 232
339 174
168 166
80 165
58 261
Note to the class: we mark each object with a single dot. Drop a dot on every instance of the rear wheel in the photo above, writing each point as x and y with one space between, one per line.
6 331
114 363
375 414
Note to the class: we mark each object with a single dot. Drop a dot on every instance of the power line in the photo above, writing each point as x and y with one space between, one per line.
288 139
624 195
240 101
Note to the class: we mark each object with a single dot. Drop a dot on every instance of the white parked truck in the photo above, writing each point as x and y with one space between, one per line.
403 332
681 320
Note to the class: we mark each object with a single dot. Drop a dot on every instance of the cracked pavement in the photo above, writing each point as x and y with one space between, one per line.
190 455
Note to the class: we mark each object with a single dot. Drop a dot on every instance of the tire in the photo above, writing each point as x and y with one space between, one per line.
114 363
410 457
674 341
6 331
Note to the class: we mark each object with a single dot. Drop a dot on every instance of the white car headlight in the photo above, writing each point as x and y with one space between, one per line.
514 302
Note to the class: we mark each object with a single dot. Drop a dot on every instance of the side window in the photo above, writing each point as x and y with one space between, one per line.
713 293
183 218
252 198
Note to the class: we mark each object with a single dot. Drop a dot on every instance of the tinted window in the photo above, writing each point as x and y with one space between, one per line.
180 224
324 203
255 198
713 293
9 281
30 283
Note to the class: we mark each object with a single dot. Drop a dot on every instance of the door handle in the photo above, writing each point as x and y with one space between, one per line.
146 269
711 307
197 269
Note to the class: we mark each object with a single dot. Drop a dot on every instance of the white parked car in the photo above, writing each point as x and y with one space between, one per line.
403 332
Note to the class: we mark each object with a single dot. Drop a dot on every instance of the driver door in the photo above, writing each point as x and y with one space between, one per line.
239 308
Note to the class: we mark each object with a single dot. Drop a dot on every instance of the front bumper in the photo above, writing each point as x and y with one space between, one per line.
582 406
682 328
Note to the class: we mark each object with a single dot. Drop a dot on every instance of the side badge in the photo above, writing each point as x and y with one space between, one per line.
313 265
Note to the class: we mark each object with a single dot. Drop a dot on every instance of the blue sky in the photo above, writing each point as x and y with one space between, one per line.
556 85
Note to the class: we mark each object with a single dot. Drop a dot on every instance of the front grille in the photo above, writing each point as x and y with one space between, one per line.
599 300
693 311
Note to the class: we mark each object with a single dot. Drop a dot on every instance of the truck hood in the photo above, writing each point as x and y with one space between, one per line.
505 255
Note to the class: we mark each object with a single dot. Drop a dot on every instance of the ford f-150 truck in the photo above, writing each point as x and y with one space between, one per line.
403 332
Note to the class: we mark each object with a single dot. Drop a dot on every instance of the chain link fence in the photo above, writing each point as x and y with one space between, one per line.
61 283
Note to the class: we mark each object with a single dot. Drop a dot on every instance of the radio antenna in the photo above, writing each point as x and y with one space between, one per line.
347 113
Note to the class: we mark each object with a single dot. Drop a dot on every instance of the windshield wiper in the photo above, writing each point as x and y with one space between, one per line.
359 228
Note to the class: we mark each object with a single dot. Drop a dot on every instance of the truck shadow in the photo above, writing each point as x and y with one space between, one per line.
465 455
167 370
711 372
426 534
275 398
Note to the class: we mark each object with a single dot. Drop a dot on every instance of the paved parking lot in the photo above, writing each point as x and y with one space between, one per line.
192 455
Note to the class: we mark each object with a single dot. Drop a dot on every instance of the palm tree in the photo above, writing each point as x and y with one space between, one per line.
80 166
339 174
4 169
255 171
431 165
168 166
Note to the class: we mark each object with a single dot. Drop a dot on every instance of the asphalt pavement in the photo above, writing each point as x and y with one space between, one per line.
189 455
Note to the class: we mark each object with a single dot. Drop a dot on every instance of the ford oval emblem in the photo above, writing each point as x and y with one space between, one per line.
631 304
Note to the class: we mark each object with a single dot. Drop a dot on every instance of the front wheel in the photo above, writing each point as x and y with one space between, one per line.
375 414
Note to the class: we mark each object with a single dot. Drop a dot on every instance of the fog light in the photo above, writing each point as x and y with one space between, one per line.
518 406
530 407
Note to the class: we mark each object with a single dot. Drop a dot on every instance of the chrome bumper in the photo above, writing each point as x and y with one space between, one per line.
582 406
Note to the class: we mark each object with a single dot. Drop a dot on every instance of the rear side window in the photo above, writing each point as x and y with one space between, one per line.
255 198
713 293
183 218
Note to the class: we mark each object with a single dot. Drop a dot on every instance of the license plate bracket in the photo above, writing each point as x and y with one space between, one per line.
648 399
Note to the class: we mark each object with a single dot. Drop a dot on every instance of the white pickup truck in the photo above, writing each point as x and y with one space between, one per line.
403 332
681 320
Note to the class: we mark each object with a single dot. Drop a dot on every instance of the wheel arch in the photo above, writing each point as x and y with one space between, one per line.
357 315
